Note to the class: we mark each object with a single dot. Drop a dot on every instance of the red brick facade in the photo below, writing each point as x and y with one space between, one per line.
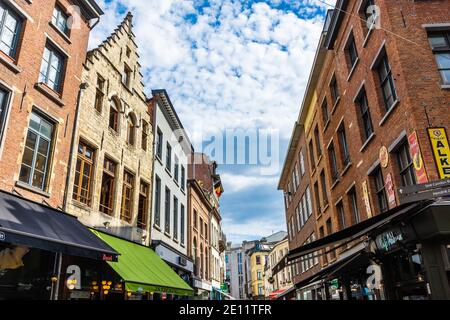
20 75
423 101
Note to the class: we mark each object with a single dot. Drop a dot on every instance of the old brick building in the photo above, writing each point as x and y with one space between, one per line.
379 82
43 48
111 173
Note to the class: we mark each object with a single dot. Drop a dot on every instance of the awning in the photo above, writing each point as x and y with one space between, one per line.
356 231
285 293
143 270
333 269
273 295
28 223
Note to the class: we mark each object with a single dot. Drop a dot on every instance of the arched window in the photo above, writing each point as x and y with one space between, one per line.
194 255
114 115
131 129
201 262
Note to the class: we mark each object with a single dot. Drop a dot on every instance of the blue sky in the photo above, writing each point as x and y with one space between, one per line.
229 65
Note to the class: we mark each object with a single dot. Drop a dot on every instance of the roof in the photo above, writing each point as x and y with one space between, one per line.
276 237
142 269
171 115
91 9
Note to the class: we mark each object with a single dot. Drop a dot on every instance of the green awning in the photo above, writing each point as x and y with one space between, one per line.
142 269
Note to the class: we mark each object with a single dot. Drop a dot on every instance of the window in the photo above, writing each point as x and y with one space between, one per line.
182 223
352 53
440 44
10 27
143 205
127 196
405 165
330 231
128 52
368 15
341 215
36 157
201 227
380 190
324 188
259 275
52 68
206 231
311 155
258 260
304 209
167 212
114 116
157 201
108 186
295 177
325 113
354 206
195 219
175 217
144 141
183 178
300 221
60 19
169 157
83 174
131 130
260 290
302 162
318 145
333 162
345 154
100 93
308 201
159 143
176 169
334 90
316 193
4 101
366 119
387 83
126 77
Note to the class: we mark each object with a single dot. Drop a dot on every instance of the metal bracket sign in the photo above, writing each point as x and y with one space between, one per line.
430 190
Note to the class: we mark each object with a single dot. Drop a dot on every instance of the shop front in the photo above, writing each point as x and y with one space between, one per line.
140 274
202 288
402 254
35 240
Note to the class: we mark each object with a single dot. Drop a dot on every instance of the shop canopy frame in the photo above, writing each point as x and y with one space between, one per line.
142 269
27 223
352 233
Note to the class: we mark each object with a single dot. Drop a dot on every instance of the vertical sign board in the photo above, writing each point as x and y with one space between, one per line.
366 199
441 150
390 191
416 155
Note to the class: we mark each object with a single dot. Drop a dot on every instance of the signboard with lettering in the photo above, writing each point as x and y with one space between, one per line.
389 240
441 150
2 236
390 191
366 199
416 154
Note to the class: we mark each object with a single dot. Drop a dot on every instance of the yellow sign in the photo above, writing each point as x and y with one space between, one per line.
384 157
367 199
441 150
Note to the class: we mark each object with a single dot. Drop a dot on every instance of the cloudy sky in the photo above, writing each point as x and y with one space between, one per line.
230 65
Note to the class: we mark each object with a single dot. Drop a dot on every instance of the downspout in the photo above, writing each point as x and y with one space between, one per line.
95 23
83 86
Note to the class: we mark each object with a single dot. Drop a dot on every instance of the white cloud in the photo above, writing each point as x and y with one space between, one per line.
235 183
238 231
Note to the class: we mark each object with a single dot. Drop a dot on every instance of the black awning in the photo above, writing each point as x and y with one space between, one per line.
27 223
331 269
353 232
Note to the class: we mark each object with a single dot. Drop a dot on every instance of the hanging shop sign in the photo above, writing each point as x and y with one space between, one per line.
419 167
384 157
389 240
390 191
366 199
2 236
441 150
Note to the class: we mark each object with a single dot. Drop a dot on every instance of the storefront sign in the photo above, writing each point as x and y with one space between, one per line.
366 199
384 157
107 257
74 278
375 277
390 191
2 236
441 150
389 240
416 154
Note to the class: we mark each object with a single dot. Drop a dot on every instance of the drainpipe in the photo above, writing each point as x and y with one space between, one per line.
95 23
83 86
